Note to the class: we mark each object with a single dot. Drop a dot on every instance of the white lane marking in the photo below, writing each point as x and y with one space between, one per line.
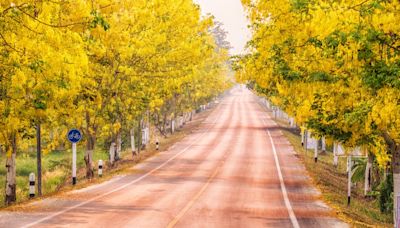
121 187
292 216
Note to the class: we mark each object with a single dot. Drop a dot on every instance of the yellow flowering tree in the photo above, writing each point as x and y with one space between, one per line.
333 66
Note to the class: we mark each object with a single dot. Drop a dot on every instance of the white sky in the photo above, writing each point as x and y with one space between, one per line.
232 15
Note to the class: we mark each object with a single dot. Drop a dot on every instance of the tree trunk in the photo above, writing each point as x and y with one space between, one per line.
11 192
335 156
349 184
368 172
396 180
132 133
306 141
112 153
323 145
39 159
172 125
164 124
159 124
395 151
90 144
139 135
118 148
396 183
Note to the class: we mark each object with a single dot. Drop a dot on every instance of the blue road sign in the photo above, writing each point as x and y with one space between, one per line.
74 136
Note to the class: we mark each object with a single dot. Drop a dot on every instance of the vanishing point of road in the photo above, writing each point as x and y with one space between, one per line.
235 170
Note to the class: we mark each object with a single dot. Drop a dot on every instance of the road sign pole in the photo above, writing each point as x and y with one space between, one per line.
73 163
74 136
349 174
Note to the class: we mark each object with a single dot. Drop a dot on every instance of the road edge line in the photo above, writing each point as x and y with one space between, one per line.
292 215
121 187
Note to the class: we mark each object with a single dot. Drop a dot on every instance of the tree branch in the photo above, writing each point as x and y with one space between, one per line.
47 24
9 45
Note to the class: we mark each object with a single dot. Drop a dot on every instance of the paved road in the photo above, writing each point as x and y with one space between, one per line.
235 170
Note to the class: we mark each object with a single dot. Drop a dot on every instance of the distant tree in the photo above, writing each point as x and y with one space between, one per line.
220 35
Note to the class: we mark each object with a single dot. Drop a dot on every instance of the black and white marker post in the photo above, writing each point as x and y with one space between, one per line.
74 136
157 144
100 171
31 185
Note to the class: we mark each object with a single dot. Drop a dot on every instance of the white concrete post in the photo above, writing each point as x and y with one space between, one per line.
302 137
73 163
31 185
157 144
100 170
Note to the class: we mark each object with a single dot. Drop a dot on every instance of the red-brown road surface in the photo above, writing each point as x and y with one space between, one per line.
235 170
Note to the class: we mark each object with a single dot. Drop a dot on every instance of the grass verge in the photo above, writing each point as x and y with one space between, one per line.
332 182
56 167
